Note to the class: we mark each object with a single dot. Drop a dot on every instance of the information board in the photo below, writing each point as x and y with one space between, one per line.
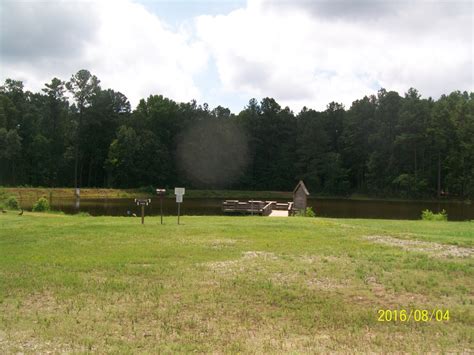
179 191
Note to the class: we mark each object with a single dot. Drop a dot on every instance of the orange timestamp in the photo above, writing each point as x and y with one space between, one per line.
413 315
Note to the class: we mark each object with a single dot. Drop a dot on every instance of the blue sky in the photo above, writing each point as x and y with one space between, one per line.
179 11
301 52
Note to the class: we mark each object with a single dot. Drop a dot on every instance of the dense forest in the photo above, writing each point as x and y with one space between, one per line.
75 133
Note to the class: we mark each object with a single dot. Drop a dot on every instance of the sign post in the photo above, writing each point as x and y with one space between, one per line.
143 202
161 193
179 204
179 192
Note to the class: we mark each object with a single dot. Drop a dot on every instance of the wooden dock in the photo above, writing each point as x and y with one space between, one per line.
263 208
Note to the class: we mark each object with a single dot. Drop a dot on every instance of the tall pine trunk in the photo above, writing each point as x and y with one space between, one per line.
89 175
439 174
416 167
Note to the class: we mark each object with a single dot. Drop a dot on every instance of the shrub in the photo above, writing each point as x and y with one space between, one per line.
427 215
3 198
309 212
12 203
3 195
42 205
306 213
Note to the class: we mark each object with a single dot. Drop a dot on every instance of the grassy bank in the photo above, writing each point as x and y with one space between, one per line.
230 284
33 193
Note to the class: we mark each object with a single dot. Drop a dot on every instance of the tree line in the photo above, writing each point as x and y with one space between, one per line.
75 133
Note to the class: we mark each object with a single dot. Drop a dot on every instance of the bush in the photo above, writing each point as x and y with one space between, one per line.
427 215
42 205
12 203
3 195
309 212
83 214
306 213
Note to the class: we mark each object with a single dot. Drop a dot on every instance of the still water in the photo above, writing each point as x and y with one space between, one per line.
339 208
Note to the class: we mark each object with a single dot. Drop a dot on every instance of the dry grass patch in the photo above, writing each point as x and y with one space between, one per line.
306 270
222 243
435 249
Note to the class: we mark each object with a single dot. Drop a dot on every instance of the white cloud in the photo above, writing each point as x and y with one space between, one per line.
299 52
311 53
138 54
129 49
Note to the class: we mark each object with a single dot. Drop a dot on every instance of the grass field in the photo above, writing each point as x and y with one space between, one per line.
232 284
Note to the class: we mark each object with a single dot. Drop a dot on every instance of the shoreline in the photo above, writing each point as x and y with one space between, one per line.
106 193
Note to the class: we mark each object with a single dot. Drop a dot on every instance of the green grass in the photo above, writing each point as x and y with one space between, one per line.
229 284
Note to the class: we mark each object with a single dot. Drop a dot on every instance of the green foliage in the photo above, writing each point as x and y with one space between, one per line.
3 195
149 190
309 212
12 203
387 145
82 214
8 201
428 215
409 186
3 198
306 213
42 205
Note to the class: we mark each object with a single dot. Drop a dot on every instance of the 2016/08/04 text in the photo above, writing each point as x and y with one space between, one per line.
416 315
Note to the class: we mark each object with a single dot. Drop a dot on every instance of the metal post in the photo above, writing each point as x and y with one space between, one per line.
143 214
161 193
179 192
179 205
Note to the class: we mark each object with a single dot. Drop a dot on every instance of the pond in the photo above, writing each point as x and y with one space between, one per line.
339 208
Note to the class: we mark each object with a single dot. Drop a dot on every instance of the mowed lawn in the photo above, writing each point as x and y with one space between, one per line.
232 284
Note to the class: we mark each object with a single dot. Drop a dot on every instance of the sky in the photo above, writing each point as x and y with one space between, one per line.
300 52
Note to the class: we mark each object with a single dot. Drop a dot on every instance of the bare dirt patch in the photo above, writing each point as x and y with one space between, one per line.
436 249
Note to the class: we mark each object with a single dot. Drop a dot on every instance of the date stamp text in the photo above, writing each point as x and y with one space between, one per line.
413 315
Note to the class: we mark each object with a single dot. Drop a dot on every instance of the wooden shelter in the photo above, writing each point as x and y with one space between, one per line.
300 196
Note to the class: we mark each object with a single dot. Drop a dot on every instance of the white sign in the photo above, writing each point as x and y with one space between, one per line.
179 198
179 191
